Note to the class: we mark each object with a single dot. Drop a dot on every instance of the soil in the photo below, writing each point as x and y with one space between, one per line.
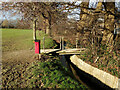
14 66
23 56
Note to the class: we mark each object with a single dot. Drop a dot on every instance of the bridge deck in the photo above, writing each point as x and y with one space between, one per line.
63 52
71 51
48 50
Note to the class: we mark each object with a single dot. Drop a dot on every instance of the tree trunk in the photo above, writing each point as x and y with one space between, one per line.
83 10
99 6
47 27
48 24
109 25
34 29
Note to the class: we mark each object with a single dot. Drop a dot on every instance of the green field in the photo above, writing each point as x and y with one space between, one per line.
22 39
16 39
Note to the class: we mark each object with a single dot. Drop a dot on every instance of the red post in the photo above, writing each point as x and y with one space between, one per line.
37 46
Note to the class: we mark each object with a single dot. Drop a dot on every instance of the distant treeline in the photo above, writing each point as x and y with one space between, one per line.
15 24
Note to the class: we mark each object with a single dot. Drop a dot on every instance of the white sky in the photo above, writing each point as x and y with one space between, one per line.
71 16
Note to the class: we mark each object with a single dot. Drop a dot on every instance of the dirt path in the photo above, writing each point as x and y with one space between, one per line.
18 56
14 66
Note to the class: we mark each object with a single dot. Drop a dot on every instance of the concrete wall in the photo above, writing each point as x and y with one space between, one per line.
104 77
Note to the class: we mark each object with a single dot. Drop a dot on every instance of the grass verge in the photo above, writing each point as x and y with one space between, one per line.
45 73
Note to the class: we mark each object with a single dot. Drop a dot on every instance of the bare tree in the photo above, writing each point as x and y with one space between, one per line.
33 10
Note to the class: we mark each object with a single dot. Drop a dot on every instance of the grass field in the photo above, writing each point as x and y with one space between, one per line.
17 39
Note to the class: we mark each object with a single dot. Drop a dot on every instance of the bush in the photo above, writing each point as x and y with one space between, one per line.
49 42
54 75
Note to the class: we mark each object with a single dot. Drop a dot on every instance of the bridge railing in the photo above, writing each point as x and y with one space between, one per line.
65 42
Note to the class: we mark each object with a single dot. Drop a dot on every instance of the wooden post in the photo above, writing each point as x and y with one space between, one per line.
39 56
34 29
43 43
34 25
77 36
62 43
76 42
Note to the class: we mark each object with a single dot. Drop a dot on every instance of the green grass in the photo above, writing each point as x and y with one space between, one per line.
16 39
49 43
45 73
53 75
22 39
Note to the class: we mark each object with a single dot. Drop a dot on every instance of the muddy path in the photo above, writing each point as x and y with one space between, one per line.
14 65
18 56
